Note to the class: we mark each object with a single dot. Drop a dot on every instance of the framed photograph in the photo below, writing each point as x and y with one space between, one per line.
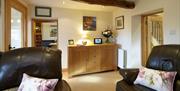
89 23
71 42
43 11
97 40
53 31
119 22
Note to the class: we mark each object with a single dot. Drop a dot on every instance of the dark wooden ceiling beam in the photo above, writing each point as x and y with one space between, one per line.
117 3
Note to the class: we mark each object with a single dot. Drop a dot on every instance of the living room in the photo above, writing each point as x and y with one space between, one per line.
129 38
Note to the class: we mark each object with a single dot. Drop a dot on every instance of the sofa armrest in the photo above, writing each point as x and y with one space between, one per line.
177 85
62 85
11 89
1 53
129 75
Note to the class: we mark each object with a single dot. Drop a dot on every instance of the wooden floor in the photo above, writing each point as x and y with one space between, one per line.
105 81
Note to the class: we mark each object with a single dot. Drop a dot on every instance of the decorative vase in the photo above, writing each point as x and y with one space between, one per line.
107 33
107 40
84 42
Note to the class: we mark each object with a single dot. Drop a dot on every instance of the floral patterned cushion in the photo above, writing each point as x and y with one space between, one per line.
30 83
155 79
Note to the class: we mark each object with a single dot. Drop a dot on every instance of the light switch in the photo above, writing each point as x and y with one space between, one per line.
172 32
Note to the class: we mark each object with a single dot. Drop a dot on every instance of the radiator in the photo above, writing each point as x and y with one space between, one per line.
122 63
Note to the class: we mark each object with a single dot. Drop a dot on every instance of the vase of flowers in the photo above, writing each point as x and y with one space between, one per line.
107 33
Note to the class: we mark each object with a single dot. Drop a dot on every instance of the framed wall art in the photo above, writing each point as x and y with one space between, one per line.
42 11
119 22
89 23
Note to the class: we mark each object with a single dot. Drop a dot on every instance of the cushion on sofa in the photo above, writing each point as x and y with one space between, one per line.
156 79
124 86
30 83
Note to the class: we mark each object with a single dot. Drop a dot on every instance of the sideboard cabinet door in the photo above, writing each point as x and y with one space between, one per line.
77 60
108 58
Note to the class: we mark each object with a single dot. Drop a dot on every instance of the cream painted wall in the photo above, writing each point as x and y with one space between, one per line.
130 37
70 26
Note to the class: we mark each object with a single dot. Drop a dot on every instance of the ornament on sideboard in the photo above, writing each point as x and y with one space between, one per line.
84 42
107 33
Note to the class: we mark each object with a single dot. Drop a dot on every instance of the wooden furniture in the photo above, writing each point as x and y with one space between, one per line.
22 9
90 59
38 35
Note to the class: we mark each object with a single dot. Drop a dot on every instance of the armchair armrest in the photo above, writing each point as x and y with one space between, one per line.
1 53
129 75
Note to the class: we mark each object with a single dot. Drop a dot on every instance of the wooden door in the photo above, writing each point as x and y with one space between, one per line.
93 62
77 60
152 33
14 9
108 58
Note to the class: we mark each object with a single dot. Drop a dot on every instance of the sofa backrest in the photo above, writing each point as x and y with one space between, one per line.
166 58
38 62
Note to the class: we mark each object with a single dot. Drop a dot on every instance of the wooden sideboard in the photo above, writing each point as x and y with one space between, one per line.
90 59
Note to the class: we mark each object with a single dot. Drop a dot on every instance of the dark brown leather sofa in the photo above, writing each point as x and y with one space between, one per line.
165 57
38 62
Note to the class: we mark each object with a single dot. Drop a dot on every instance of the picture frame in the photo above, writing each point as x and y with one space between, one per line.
89 23
119 22
71 42
42 11
97 40
53 31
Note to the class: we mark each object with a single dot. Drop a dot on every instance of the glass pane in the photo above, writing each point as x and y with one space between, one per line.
16 29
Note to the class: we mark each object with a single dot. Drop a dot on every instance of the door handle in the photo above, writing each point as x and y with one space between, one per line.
10 47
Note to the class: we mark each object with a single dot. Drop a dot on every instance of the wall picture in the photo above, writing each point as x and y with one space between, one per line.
53 33
89 23
42 11
119 22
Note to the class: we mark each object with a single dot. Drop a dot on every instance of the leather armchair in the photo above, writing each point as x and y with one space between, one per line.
164 57
37 62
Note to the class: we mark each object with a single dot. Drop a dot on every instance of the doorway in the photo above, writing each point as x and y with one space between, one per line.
45 33
15 25
152 33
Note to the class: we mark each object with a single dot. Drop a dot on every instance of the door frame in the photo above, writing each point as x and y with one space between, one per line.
42 20
22 8
144 35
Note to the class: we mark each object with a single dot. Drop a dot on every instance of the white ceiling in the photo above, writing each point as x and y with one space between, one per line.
71 4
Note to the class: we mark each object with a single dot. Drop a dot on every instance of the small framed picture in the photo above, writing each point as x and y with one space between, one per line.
97 40
71 42
42 11
119 22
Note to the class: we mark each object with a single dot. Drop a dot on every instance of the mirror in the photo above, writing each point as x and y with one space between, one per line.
45 33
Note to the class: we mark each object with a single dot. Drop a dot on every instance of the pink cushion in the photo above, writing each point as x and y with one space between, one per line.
155 79
30 83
